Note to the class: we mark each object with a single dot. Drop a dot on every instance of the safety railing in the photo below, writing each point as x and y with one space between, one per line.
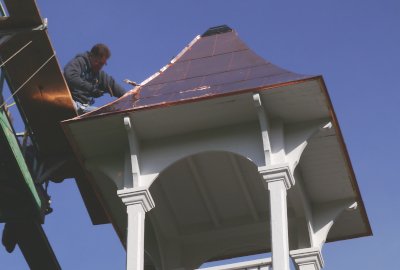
260 264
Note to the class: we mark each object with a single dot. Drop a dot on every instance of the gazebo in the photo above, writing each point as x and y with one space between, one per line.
222 155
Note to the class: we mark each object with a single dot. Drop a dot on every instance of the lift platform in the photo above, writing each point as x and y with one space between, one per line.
35 80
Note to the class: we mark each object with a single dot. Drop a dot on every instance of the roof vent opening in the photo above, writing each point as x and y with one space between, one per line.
216 30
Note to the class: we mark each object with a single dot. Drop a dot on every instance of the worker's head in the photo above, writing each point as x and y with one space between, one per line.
99 55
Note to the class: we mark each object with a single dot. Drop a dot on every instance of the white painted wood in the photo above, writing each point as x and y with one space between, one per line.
307 259
241 182
259 264
245 140
279 225
138 201
277 137
297 137
264 125
279 172
302 206
135 237
278 179
203 193
324 216
134 155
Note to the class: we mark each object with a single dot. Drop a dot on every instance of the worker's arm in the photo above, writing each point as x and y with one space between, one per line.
108 84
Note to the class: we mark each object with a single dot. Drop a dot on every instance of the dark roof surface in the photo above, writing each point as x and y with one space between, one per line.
215 64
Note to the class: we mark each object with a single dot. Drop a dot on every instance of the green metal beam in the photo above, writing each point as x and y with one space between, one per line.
2 10
19 194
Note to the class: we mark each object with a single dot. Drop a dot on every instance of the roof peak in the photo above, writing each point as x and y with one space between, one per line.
216 30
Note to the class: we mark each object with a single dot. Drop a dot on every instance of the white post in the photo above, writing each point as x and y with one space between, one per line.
279 225
138 201
277 180
307 259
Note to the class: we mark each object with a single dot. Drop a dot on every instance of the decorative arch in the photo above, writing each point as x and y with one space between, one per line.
214 199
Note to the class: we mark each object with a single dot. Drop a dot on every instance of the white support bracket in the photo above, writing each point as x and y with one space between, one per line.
264 125
319 219
298 136
324 217
303 209
134 179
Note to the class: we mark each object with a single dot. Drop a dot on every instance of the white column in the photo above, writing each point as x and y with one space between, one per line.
307 259
138 201
277 179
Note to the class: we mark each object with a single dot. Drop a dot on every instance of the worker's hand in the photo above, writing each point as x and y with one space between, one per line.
97 93
135 91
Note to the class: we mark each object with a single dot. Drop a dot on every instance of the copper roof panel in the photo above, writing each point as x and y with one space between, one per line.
214 45
179 72
228 43
200 49
209 65
226 77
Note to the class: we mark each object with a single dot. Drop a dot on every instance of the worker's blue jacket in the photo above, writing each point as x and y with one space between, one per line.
85 84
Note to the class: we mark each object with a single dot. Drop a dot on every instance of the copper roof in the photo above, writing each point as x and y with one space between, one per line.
214 64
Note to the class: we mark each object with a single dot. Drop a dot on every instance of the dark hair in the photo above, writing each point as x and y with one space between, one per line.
100 50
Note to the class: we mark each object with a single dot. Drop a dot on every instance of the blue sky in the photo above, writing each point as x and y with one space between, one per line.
353 44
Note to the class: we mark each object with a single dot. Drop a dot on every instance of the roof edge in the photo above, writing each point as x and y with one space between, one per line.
346 156
159 105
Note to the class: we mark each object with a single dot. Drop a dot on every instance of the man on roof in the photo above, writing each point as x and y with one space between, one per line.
87 81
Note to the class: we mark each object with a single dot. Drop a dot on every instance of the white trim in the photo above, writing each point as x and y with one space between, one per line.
175 59
131 196
308 257
279 172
